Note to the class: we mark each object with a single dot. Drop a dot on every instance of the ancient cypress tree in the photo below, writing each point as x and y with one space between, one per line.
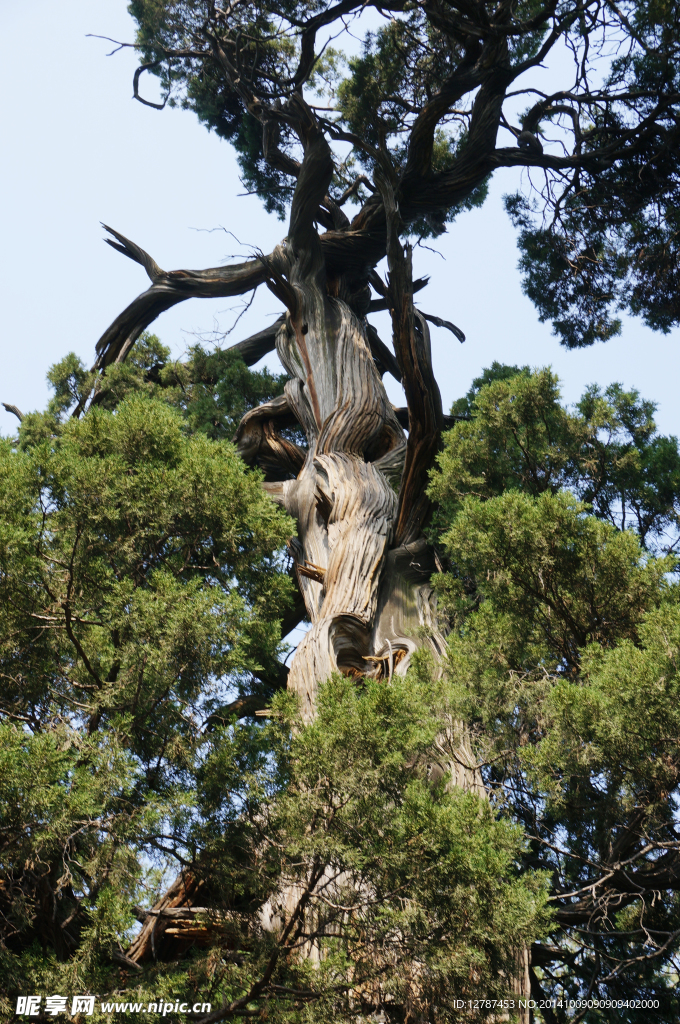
441 96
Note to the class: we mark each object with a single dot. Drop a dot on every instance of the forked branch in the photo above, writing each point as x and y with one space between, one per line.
133 252
167 289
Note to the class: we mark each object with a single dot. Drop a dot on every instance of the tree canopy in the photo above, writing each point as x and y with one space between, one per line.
563 659
441 95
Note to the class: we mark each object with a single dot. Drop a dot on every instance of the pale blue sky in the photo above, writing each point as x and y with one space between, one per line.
78 150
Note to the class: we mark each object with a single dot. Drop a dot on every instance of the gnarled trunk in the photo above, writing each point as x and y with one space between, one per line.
362 563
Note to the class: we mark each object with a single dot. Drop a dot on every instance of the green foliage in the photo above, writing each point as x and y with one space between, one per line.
520 438
611 243
219 389
407 881
497 371
212 390
558 574
201 86
69 378
399 64
431 90
578 303
612 247
140 586
564 663
138 572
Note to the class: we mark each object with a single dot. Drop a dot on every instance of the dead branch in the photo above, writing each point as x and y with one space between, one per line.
135 85
14 410
382 354
134 252
438 322
259 443
377 305
252 349
412 348
167 289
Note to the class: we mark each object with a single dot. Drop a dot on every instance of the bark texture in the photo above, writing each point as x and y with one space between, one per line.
368 599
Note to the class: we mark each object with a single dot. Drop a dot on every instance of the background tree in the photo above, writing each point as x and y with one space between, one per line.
563 662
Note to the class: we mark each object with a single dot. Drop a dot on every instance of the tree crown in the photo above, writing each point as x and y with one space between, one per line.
442 95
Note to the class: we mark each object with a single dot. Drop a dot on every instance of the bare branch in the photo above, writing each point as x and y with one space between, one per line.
13 409
134 252
135 85
438 322
166 291
252 349
381 353
354 188
412 347
377 305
